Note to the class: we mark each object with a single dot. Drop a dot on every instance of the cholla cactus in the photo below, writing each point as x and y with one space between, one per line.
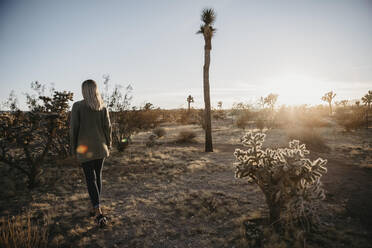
290 181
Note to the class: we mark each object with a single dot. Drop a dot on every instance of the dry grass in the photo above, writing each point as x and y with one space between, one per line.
22 231
310 136
350 119
159 132
186 136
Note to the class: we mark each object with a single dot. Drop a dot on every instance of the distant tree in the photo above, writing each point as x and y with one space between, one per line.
148 106
189 99
328 97
11 103
106 95
367 98
219 105
270 100
261 102
357 103
344 102
208 17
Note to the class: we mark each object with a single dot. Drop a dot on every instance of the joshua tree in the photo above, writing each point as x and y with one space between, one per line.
208 16
328 97
367 99
270 100
219 105
261 102
344 102
105 95
189 99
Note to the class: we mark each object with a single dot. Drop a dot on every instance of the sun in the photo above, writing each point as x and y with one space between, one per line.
296 89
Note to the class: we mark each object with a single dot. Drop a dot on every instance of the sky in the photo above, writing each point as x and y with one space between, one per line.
297 49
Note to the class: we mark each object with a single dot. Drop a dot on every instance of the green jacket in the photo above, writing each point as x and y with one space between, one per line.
90 132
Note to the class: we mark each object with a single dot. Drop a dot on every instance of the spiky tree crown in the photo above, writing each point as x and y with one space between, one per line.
328 97
367 98
208 16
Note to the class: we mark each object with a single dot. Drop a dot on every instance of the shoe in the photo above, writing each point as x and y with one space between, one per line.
101 220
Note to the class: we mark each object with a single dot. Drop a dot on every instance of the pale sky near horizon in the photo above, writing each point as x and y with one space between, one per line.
298 49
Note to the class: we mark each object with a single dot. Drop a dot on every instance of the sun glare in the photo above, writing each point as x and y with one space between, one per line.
297 90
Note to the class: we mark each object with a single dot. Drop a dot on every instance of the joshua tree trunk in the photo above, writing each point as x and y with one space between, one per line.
188 103
330 108
207 100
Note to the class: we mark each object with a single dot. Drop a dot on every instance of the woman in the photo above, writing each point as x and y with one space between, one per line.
90 141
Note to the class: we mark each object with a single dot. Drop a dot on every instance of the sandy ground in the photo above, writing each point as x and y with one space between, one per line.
176 195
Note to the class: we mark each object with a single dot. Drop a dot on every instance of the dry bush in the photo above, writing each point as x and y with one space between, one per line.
350 118
302 115
22 231
159 132
28 139
186 117
310 136
244 118
289 180
186 136
260 124
310 121
201 118
219 114
128 122
242 121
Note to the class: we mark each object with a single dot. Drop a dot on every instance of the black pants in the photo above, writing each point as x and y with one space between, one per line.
93 175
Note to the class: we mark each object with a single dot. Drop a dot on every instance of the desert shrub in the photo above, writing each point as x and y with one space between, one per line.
242 121
244 118
260 124
311 121
303 115
184 117
128 122
350 119
310 136
219 114
148 117
186 136
27 139
201 118
152 140
22 231
56 102
159 132
289 180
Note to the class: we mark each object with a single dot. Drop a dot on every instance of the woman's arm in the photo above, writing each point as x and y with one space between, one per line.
107 129
74 128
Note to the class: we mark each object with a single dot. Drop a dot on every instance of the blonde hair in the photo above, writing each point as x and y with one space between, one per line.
91 95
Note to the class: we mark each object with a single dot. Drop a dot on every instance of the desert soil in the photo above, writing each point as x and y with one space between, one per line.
176 195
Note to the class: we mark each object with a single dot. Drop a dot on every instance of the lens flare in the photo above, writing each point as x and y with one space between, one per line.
124 140
82 149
